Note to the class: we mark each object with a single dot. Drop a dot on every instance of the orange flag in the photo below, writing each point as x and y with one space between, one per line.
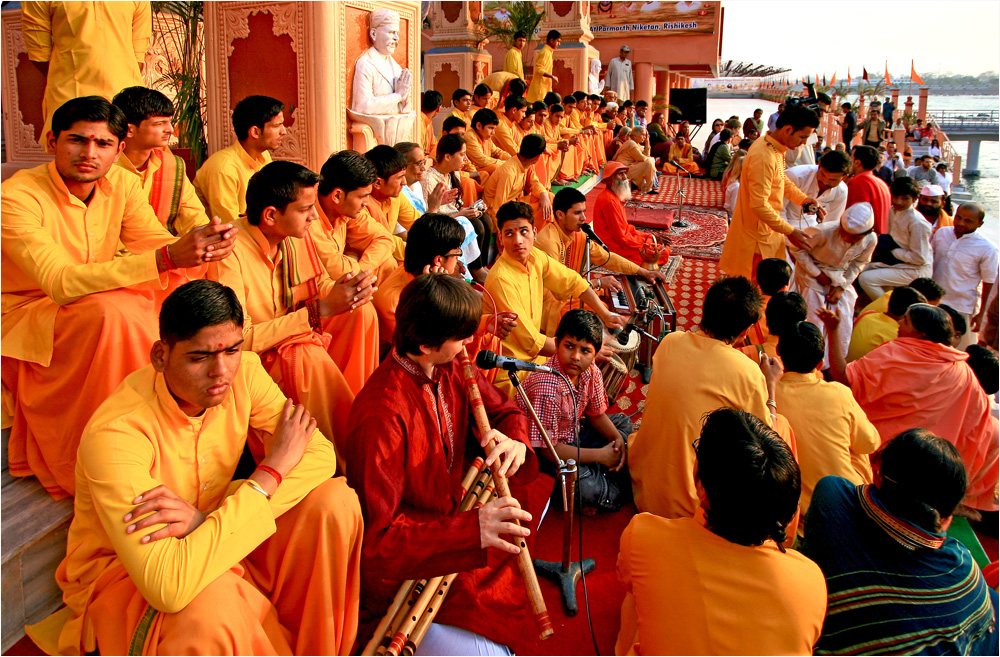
888 80
848 75
913 74
833 80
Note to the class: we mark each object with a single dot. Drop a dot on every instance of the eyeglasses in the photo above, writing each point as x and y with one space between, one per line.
694 444
453 255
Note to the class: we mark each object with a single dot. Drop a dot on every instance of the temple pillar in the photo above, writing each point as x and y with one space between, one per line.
895 102
908 107
643 74
571 62
23 88
456 61
662 91
924 92
303 54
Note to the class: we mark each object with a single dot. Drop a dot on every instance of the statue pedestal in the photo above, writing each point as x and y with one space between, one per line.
370 130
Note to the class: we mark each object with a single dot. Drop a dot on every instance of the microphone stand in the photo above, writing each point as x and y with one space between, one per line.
565 574
681 195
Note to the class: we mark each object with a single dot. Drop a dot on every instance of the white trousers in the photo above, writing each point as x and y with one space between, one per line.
877 279
816 299
448 640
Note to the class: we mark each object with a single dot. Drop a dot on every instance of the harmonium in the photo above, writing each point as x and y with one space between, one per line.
650 315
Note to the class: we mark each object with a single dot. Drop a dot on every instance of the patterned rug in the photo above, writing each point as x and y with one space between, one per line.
699 192
702 238
687 293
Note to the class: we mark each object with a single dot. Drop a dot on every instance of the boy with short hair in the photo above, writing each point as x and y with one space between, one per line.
430 106
602 438
773 275
163 174
905 252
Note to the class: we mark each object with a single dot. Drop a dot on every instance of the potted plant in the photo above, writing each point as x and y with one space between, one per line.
181 29
520 16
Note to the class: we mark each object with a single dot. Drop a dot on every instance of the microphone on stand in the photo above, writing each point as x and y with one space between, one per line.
679 167
487 360
589 232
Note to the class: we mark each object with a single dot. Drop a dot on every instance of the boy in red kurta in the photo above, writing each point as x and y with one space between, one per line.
409 440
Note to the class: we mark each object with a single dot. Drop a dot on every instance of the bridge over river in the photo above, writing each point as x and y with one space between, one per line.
971 126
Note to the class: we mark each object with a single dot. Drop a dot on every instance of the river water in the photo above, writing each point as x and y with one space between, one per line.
985 189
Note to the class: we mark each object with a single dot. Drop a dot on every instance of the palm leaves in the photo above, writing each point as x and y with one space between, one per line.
524 16
181 29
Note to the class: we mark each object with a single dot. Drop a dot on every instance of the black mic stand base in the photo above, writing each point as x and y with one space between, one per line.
566 580
645 371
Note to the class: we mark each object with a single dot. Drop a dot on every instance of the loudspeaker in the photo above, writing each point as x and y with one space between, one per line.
691 104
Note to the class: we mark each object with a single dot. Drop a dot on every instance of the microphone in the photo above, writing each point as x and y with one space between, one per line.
487 360
679 167
589 232
623 334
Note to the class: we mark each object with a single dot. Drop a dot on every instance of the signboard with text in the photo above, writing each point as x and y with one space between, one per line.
652 18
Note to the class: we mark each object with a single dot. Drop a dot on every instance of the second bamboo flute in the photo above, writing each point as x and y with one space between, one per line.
503 490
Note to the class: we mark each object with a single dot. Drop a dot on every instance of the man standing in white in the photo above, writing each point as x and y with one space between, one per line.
825 183
619 78
962 259
825 274
381 85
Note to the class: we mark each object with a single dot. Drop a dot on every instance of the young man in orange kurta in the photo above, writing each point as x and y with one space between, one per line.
67 301
515 180
720 583
163 174
222 180
693 374
387 205
288 296
167 553
349 241
430 106
757 230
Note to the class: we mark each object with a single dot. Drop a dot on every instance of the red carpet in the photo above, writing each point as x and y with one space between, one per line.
703 236
698 191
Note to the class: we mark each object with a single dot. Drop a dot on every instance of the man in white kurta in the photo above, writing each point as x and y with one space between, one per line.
825 274
912 234
619 78
825 183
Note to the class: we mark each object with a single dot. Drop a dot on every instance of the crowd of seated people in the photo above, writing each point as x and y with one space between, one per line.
251 383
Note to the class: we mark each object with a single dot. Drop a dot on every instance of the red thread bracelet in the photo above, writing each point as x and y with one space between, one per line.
167 260
271 471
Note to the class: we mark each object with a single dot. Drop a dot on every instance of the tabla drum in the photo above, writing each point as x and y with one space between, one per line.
616 370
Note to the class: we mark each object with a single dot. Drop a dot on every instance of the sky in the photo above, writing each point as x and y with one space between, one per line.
819 37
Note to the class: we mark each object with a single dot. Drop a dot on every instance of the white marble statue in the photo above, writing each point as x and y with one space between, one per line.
381 96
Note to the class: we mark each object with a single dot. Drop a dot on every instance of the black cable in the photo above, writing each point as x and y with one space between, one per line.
579 499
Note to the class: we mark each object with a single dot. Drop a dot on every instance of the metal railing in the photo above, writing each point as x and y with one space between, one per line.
959 120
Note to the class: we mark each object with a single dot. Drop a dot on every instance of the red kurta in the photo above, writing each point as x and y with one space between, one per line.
409 446
612 227
867 188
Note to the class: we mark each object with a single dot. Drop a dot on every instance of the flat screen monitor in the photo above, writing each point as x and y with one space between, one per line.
691 104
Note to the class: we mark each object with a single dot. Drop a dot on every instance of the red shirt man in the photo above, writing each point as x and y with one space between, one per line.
866 187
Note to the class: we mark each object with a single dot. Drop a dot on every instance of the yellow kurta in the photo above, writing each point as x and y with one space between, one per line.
567 249
222 181
693 374
386 300
57 249
512 63
758 231
872 329
509 183
389 213
832 434
138 439
352 244
541 85
460 114
297 358
428 142
641 167
93 48
520 290
879 305
508 136
484 154
190 213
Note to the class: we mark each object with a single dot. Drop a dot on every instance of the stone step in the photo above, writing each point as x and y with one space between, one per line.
32 543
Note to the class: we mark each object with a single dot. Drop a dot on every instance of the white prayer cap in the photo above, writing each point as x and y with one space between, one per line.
381 16
932 190
859 219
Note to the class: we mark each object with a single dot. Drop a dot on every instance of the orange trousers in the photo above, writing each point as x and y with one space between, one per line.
99 340
295 594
